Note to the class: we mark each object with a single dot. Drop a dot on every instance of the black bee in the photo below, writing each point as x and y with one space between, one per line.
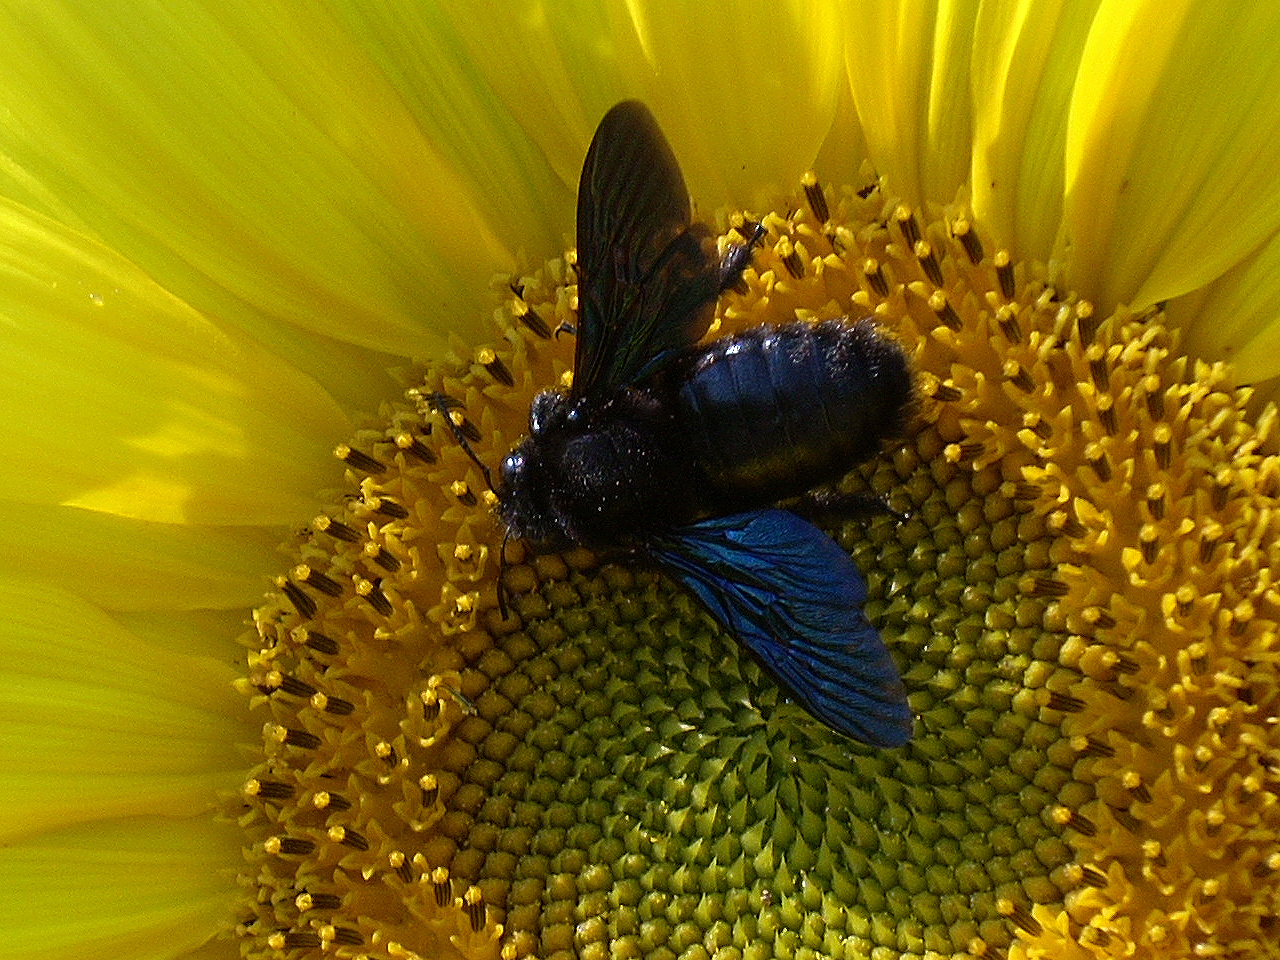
678 451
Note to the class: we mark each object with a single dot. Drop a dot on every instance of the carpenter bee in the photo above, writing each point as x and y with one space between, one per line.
679 451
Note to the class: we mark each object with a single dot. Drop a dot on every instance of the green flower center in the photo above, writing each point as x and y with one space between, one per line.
605 774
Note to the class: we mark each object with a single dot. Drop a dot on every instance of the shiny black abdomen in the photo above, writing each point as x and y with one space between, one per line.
776 410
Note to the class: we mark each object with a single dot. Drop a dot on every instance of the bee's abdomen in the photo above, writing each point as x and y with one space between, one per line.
775 410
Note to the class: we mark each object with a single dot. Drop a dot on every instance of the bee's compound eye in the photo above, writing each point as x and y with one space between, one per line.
543 409
511 467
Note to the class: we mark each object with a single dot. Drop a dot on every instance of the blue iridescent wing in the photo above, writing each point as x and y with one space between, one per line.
793 598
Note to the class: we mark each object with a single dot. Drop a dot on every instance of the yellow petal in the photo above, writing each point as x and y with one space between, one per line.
123 399
1172 148
497 92
98 724
253 161
121 563
1237 317
148 888
1026 55
909 67
745 100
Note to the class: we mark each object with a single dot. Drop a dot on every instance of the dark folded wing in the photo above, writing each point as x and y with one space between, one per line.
793 598
644 275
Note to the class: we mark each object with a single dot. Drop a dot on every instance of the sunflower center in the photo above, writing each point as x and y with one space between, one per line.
602 773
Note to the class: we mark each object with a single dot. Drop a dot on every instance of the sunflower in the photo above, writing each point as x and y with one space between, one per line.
244 239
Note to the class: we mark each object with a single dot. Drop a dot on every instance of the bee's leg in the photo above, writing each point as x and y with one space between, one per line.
565 327
827 505
738 255
442 404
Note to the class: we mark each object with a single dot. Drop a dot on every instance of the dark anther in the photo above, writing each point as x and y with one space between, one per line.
474 902
1007 318
1102 619
325 901
1100 465
384 506
464 493
377 599
945 312
273 790
1208 543
387 561
529 317
359 460
1025 491
946 393
875 277
1022 918
1107 414
305 606
296 846
1086 325
326 585
430 791
906 221
442 887
928 262
1081 825
1155 404
1022 380
296 688
1093 878
301 739
490 360
320 643
1048 587
347 937
1004 274
1064 702
1096 748
336 529
415 448
793 263
338 802
1221 489
339 707
354 840
963 231
1071 525
817 199
1164 453
1038 425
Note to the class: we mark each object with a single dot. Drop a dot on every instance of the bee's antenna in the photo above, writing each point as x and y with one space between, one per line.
502 574
442 404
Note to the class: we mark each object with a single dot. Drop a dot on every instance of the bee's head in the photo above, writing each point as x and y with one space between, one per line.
527 477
